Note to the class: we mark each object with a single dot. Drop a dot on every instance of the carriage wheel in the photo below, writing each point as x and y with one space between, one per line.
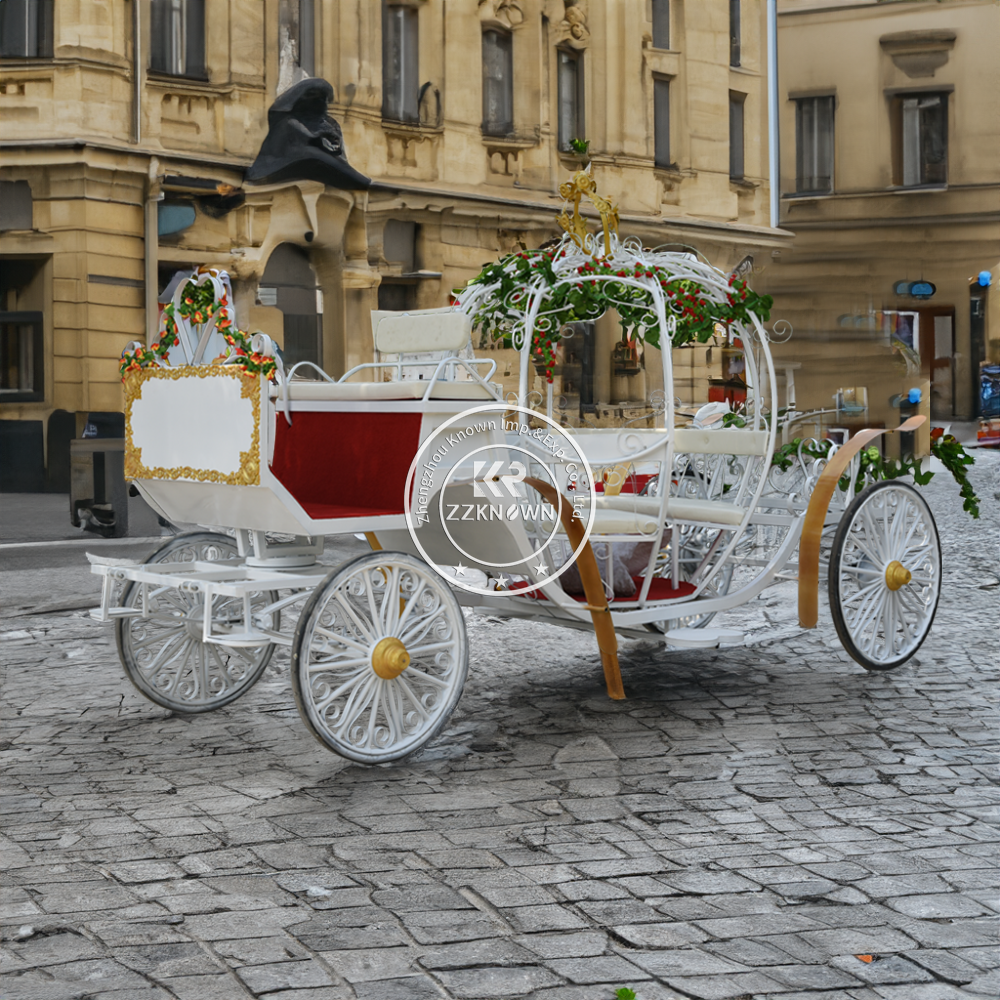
885 575
164 655
379 658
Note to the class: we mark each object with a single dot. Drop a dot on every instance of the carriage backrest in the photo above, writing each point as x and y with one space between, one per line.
722 441
420 331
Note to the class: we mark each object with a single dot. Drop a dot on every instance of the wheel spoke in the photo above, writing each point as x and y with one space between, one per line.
410 605
330 666
344 640
363 629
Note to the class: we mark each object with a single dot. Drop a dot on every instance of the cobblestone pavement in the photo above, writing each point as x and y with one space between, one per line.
745 825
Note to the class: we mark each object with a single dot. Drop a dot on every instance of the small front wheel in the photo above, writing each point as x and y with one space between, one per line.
885 575
163 652
380 657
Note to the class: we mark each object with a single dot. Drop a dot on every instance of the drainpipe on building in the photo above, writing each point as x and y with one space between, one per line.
136 71
773 147
152 245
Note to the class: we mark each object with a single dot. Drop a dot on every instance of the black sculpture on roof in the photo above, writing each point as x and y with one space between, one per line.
303 142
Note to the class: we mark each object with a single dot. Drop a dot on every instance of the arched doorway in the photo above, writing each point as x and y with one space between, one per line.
290 284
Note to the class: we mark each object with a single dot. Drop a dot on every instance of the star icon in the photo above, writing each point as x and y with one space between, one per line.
501 581
540 569
459 570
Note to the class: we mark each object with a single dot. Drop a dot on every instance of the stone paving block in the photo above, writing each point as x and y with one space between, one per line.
323 938
759 925
709 883
667 964
99 974
220 987
163 961
950 966
722 987
406 988
863 941
285 975
748 952
54 949
495 982
146 871
493 952
661 935
988 984
255 923
530 919
365 964
929 991
940 906
260 951
598 969
421 899
570 945
117 933
883 970
619 911
443 926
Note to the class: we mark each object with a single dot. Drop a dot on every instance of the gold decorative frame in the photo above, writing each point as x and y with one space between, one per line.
248 473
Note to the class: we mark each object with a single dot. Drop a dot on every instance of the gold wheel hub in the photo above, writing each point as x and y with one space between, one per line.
390 658
896 575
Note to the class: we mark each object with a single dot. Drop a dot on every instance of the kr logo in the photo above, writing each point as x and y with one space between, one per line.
489 481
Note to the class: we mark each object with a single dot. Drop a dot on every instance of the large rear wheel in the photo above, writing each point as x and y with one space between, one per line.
885 575
380 657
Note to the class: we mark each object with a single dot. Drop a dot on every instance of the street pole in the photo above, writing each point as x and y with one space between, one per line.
773 147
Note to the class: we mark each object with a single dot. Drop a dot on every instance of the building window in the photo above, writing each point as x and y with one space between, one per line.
736 102
661 24
297 42
498 83
661 122
734 32
177 38
920 139
21 357
26 29
571 120
400 67
814 144
307 37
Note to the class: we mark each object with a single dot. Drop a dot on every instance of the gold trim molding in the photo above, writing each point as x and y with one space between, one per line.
248 473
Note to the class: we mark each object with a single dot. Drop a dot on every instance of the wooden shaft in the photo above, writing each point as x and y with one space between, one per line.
593 587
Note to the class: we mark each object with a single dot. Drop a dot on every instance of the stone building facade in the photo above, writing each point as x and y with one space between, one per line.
890 145
126 128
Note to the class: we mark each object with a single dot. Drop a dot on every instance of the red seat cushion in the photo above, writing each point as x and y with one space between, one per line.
346 463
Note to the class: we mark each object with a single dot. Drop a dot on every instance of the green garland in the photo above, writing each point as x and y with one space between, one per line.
588 298
872 466
198 305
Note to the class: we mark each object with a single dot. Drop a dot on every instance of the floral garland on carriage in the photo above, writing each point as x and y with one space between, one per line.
201 307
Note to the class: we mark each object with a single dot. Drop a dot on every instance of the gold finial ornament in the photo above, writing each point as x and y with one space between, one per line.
896 575
390 658
580 184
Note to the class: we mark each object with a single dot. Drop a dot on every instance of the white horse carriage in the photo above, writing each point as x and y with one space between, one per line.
471 498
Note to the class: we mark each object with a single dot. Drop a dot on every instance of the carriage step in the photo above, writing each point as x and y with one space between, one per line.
702 638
